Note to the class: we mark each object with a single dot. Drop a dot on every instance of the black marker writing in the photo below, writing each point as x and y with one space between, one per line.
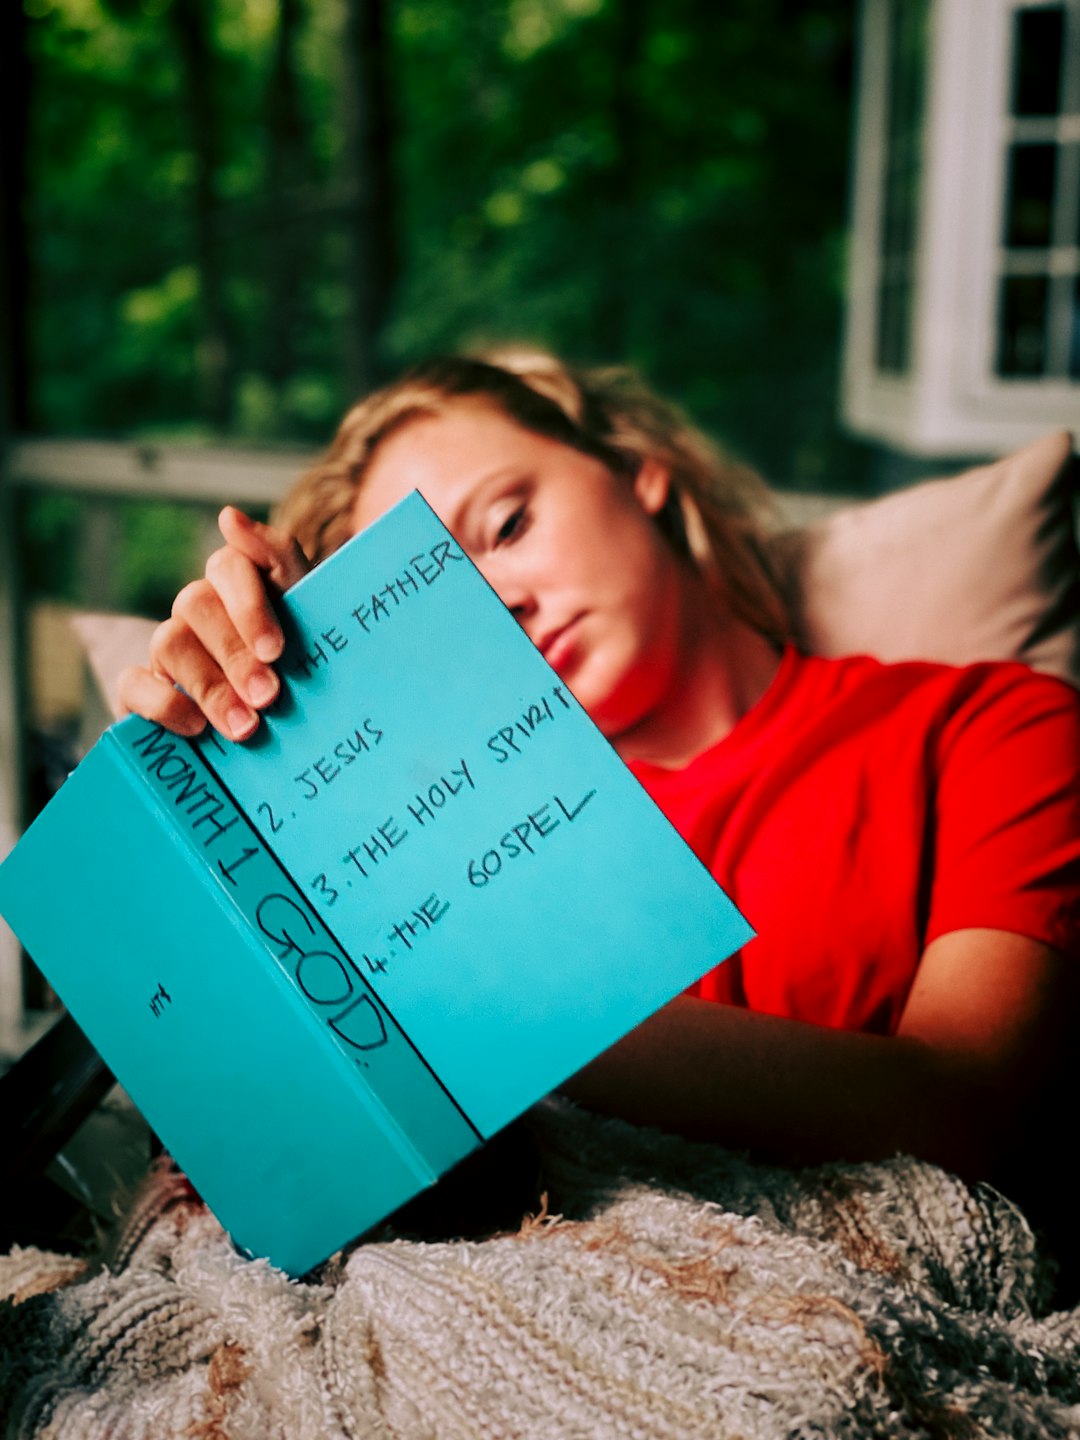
229 871
329 642
428 913
165 760
326 769
324 889
524 836
422 571
507 740
159 1000
426 803
275 824
386 837
322 975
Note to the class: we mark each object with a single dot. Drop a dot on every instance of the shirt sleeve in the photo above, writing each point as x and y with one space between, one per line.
1006 852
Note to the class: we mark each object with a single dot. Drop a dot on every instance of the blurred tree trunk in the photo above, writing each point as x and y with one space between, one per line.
15 271
14 414
190 21
366 160
615 300
284 177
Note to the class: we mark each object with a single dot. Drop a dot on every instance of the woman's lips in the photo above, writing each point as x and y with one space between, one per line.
559 648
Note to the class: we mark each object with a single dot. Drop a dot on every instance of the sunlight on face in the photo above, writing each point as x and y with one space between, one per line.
571 549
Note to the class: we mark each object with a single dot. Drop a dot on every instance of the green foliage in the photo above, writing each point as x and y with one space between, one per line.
661 183
157 555
48 530
658 184
151 549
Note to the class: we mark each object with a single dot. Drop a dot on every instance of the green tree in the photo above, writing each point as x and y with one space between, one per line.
242 211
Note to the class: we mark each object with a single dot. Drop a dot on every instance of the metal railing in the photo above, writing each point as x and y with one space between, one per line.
102 472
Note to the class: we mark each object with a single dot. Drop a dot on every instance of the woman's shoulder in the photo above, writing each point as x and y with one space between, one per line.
820 678
861 701
865 707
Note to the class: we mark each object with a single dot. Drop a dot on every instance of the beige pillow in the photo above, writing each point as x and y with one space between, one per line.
983 566
111 643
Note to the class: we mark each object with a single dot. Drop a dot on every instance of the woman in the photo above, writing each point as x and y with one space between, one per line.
905 839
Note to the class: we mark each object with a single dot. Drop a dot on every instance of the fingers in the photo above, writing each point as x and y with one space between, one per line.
141 692
179 658
253 556
202 651
272 551
222 637
233 600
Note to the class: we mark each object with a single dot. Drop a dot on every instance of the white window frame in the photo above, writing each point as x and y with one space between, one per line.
950 403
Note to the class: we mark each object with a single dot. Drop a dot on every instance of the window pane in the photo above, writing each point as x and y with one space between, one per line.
901 212
1022 333
894 326
1037 77
1028 216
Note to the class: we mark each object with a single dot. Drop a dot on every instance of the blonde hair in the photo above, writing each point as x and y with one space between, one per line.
716 513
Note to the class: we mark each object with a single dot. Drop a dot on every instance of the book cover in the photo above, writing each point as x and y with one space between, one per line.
330 961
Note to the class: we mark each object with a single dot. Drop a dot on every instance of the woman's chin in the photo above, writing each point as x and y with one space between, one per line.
614 708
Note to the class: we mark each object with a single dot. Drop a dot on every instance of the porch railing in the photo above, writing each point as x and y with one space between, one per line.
103 473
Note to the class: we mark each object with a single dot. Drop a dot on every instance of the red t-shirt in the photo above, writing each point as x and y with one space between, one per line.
860 810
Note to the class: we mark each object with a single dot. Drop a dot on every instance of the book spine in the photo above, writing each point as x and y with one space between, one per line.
324 978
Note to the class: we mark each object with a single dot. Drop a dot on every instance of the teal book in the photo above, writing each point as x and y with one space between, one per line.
331 961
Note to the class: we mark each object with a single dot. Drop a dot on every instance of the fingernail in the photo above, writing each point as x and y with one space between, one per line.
262 687
241 721
268 647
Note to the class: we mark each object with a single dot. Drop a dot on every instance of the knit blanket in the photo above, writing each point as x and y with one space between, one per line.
666 1289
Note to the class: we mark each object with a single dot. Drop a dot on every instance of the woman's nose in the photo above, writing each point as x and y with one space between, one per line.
515 594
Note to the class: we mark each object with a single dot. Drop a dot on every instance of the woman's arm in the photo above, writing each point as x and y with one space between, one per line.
986 1019
222 637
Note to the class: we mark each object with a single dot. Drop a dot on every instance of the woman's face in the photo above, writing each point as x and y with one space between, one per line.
571 549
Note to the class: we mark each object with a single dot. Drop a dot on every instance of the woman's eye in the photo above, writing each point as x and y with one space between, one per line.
511 526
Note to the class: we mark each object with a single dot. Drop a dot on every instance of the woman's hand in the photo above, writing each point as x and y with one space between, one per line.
222 638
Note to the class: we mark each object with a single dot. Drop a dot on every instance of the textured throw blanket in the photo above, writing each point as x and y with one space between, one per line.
668 1290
